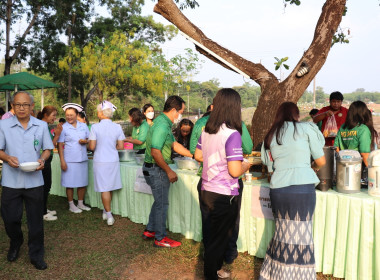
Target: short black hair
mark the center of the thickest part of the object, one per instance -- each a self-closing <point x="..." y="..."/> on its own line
<point x="146" y="106"/>
<point x="336" y="95"/>
<point x="313" y="112"/>
<point x="136" y="115"/>
<point x="173" y="101"/>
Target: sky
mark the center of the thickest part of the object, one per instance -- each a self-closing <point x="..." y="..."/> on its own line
<point x="261" y="30"/>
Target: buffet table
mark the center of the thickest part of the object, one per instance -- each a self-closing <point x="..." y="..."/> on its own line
<point x="345" y="226"/>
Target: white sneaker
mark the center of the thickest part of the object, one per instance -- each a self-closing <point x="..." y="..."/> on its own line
<point x="75" y="210"/>
<point x="104" y="216"/>
<point x="84" y="207"/>
<point x="110" y="221"/>
<point x="49" y="217"/>
<point x="222" y="274"/>
<point x="52" y="212"/>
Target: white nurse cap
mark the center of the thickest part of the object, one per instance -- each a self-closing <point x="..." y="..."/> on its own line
<point x="78" y="107"/>
<point x="108" y="105"/>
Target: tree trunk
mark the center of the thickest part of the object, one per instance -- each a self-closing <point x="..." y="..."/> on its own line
<point x="273" y="93"/>
<point x="84" y="99"/>
<point x="8" y="22"/>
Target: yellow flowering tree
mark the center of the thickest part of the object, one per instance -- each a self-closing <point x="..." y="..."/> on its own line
<point x="115" y="68"/>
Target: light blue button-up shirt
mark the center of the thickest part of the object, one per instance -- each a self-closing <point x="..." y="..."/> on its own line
<point x="290" y="162"/>
<point x="25" y="144"/>
<point x="70" y="136"/>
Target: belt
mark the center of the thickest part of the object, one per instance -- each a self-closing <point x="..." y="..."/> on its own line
<point x="149" y="165"/>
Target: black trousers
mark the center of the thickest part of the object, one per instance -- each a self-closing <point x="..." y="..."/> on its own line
<point x="46" y="174"/>
<point x="11" y="210"/>
<point x="231" y="250"/>
<point x="219" y="213"/>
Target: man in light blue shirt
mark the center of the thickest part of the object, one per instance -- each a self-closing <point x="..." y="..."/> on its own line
<point x="21" y="139"/>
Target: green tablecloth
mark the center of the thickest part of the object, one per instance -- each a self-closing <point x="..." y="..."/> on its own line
<point x="345" y="226"/>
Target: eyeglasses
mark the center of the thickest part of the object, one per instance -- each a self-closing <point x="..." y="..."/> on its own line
<point x="25" y="105"/>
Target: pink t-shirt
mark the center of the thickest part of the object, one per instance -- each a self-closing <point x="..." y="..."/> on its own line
<point x="7" y="115"/>
<point x="217" y="150"/>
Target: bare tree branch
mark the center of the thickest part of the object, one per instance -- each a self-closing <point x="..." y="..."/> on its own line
<point x="26" y="32"/>
<point x="315" y="56"/>
<point x="169" y="10"/>
<point x="273" y="93"/>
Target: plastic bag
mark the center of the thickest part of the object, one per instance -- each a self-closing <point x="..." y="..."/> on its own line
<point x="331" y="128"/>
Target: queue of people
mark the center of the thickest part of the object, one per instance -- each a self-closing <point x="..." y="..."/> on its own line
<point x="218" y="141"/>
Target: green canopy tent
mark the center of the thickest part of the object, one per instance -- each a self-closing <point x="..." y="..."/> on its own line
<point x="24" y="81"/>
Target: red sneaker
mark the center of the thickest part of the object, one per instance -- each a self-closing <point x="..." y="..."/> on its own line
<point x="148" y="234"/>
<point x="166" y="242"/>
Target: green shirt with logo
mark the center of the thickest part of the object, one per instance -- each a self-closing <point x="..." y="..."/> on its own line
<point x="357" y="139"/>
<point x="140" y="133"/>
<point x="199" y="126"/>
<point x="160" y="137"/>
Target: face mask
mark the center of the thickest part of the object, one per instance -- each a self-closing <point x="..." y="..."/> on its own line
<point x="150" y="115"/>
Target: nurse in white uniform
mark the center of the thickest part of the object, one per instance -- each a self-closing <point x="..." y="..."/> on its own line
<point x="105" y="139"/>
<point x="72" y="151"/>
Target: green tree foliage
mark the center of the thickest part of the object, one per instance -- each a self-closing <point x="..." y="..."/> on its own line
<point x="320" y="96"/>
<point x="74" y="20"/>
<point x="33" y="11"/>
<point x="126" y="17"/>
<point x="361" y="94"/>
<point x="115" y="68"/>
<point x="249" y="94"/>
<point x="178" y="70"/>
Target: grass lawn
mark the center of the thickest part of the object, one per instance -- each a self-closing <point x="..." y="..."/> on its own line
<point x="82" y="246"/>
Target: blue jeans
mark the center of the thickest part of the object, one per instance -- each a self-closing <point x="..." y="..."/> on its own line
<point x="159" y="182"/>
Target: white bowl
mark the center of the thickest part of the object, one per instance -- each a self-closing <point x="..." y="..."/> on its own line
<point x="29" y="166"/>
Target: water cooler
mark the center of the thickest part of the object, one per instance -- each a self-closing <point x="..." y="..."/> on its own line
<point x="374" y="173"/>
<point x="348" y="171"/>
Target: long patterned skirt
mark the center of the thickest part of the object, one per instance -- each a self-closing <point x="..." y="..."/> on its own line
<point x="290" y="254"/>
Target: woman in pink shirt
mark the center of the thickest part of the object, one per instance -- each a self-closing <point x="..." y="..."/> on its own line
<point x="219" y="147"/>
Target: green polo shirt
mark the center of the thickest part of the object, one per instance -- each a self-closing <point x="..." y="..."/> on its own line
<point x="160" y="137"/>
<point x="196" y="133"/>
<point x="52" y="137"/>
<point x="246" y="140"/>
<point x="357" y="139"/>
<point x="199" y="126"/>
<point x="140" y="133"/>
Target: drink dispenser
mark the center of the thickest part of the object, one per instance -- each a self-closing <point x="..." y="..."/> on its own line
<point x="374" y="173"/>
<point x="348" y="171"/>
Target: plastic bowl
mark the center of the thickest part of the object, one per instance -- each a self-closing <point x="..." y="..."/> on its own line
<point x="126" y="155"/>
<point x="29" y="166"/>
<point x="254" y="160"/>
<point x="186" y="163"/>
<point x="140" y="159"/>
